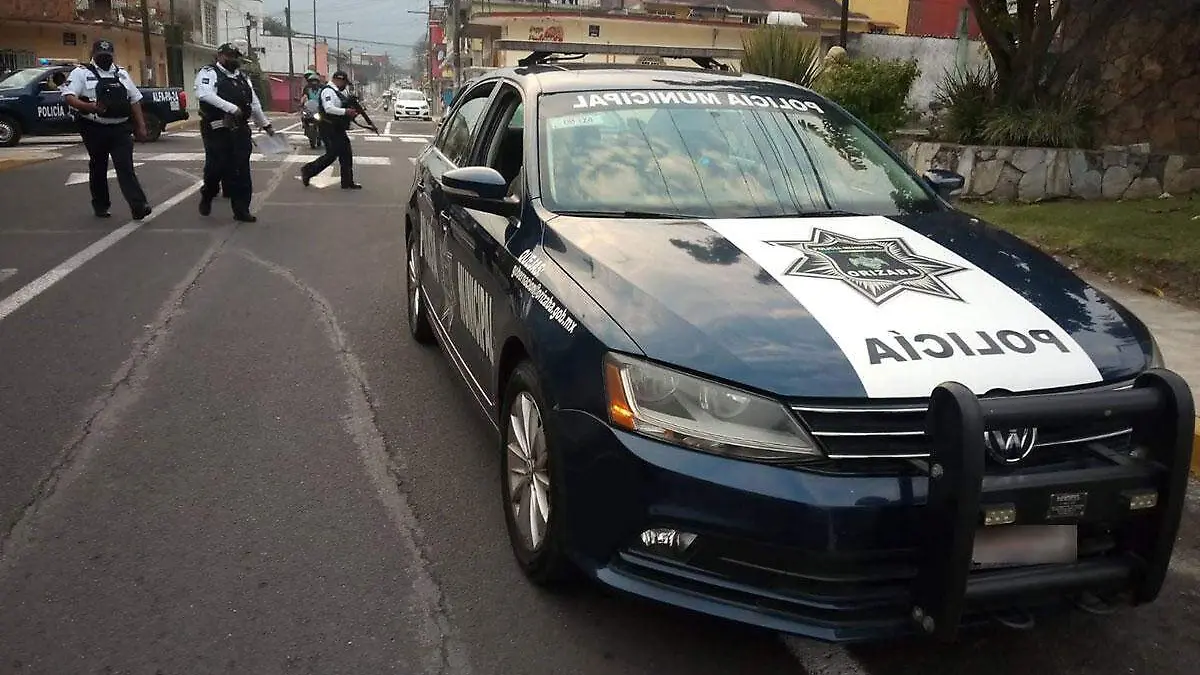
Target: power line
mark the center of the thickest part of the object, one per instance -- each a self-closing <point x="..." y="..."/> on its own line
<point x="350" y="39"/>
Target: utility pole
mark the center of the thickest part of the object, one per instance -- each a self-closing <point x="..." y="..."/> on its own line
<point x="287" y="12"/>
<point x="338" y="36"/>
<point x="249" y="25"/>
<point x="314" y="34"/>
<point x="149" y="73"/>
<point x="457" y="47"/>
<point x="845" y="23"/>
<point x="174" y="41"/>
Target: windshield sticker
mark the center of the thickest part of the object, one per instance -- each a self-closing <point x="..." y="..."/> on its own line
<point x="879" y="269"/>
<point x="899" y="348"/>
<point x="539" y="294"/>
<point x="619" y="99"/>
<point x="907" y="311"/>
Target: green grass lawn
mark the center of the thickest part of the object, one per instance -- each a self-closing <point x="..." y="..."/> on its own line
<point x="1156" y="241"/>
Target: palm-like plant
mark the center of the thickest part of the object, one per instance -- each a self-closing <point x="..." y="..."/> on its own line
<point x="783" y="53"/>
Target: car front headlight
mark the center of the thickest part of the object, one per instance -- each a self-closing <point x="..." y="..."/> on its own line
<point x="678" y="408"/>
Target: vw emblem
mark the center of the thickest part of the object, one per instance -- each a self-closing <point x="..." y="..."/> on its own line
<point x="1009" y="446"/>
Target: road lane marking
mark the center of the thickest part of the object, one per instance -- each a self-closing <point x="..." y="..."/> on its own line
<point x="323" y="179"/>
<point x="362" y="160"/>
<point x="387" y="129"/>
<point x="77" y="178"/>
<point x="7" y="273"/>
<point x="384" y="139"/>
<point x="39" y="285"/>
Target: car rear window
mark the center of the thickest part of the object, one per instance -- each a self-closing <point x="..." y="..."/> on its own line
<point x="715" y="154"/>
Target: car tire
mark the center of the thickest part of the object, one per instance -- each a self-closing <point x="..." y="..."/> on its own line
<point x="530" y="470"/>
<point x="10" y="132"/>
<point x="418" y="314"/>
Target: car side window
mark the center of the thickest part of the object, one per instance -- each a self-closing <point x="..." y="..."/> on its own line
<point x="504" y="148"/>
<point x="458" y="132"/>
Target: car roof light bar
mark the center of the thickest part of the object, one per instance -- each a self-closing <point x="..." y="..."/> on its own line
<point x="546" y="52"/>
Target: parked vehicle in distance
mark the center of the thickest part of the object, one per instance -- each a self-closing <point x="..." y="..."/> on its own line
<point x="411" y="104"/>
<point x="31" y="104"/>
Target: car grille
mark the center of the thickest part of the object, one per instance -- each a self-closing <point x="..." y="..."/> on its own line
<point x="895" y="430"/>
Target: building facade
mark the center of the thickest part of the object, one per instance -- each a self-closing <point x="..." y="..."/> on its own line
<point x="671" y="23"/>
<point x="33" y="30"/>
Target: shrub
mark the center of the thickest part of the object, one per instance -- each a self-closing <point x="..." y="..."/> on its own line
<point x="873" y="90"/>
<point x="971" y="115"/>
<point x="1063" y="122"/>
<point x="966" y="98"/>
<point x="782" y="53"/>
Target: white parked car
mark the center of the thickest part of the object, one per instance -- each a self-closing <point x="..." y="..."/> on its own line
<point x="410" y="104"/>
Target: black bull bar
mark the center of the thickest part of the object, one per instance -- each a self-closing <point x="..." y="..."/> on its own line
<point x="1161" y="413"/>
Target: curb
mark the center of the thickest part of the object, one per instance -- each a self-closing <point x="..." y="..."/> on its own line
<point x="185" y="125"/>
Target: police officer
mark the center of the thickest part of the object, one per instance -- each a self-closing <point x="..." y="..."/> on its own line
<point x="227" y="101"/>
<point x="335" y="132"/>
<point x="105" y="98"/>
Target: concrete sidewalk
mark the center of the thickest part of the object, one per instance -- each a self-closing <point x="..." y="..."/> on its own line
<point x="1177" y="329"/>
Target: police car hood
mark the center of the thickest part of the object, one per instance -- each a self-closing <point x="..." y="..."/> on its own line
<point x="858" y="306"/>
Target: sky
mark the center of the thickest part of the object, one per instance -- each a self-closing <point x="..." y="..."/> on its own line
<point x="377" y="20"/>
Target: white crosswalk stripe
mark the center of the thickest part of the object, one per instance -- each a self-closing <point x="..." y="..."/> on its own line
<point x="362" y="160"/>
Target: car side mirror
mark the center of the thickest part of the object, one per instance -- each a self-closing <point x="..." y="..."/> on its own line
<point x="944" y="182"/>
<point x="481" y="188"/>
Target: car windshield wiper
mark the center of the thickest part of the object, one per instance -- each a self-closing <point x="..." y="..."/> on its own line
<point x="831" y="213"/>
<point x="628" y="214"/>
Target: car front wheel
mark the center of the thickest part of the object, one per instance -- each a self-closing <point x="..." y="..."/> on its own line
<point x="418" y="319"/>
<point x="531" y="491"/>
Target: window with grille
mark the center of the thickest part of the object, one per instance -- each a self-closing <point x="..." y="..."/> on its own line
<point x="210" y="23"/>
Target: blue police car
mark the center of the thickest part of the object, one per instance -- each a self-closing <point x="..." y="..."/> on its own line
<point x="741" y="359"/>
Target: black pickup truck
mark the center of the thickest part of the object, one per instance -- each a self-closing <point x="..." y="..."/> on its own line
<point x="32" y="105"/>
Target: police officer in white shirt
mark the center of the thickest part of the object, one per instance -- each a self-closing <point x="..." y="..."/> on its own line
<point x="335" y="132"/>
<point x="105" y="99"/>
<point x="227" y="102"/>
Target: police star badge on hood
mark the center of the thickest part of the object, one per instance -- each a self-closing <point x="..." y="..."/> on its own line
<point x="879" y="269"/>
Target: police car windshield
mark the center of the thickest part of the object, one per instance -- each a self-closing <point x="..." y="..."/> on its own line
<point x="715" y="154"/>
<point x="22" y="78"/>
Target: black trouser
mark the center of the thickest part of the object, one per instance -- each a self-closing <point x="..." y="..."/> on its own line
<point x="227" y="164"/>
<point x="337" y="148"/>
<point x="116" y="140"/>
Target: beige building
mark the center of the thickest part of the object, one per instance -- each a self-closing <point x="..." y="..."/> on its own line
<point x="661" y="23"/>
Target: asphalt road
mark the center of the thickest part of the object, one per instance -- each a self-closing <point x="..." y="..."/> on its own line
<point x="220" y="452"/>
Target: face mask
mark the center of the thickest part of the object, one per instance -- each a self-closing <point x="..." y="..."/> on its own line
<point x="230" y="65"/>
<point x="103" y="61"/>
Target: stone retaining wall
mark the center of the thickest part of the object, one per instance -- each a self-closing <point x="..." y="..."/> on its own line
<point x="1033" y="174"/>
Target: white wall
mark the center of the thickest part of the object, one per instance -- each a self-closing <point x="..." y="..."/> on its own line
<point x="275" y="60"/>
<point x="935" y="57"/>
<point x="231" y="19"/>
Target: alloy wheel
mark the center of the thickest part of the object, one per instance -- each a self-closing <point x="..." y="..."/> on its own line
<point x="414" y="287"/>
<point x="528" y="472"/>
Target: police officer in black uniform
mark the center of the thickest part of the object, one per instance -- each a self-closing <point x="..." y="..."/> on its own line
<point x="227" y="102"/>
<point x="105" y="98"/>
<point x="335" y="132"/>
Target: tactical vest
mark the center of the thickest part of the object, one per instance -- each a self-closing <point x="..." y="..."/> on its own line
<point x="338" y="121"/>
<point x="112" y="94"/>
<point x="236" y="90"/>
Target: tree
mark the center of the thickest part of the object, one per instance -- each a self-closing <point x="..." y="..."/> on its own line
<point x="1039" y="45"/>
<point x="274" y="26"/>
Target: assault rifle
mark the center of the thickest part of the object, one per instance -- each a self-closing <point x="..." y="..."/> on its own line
<point x="353" y="103"/>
